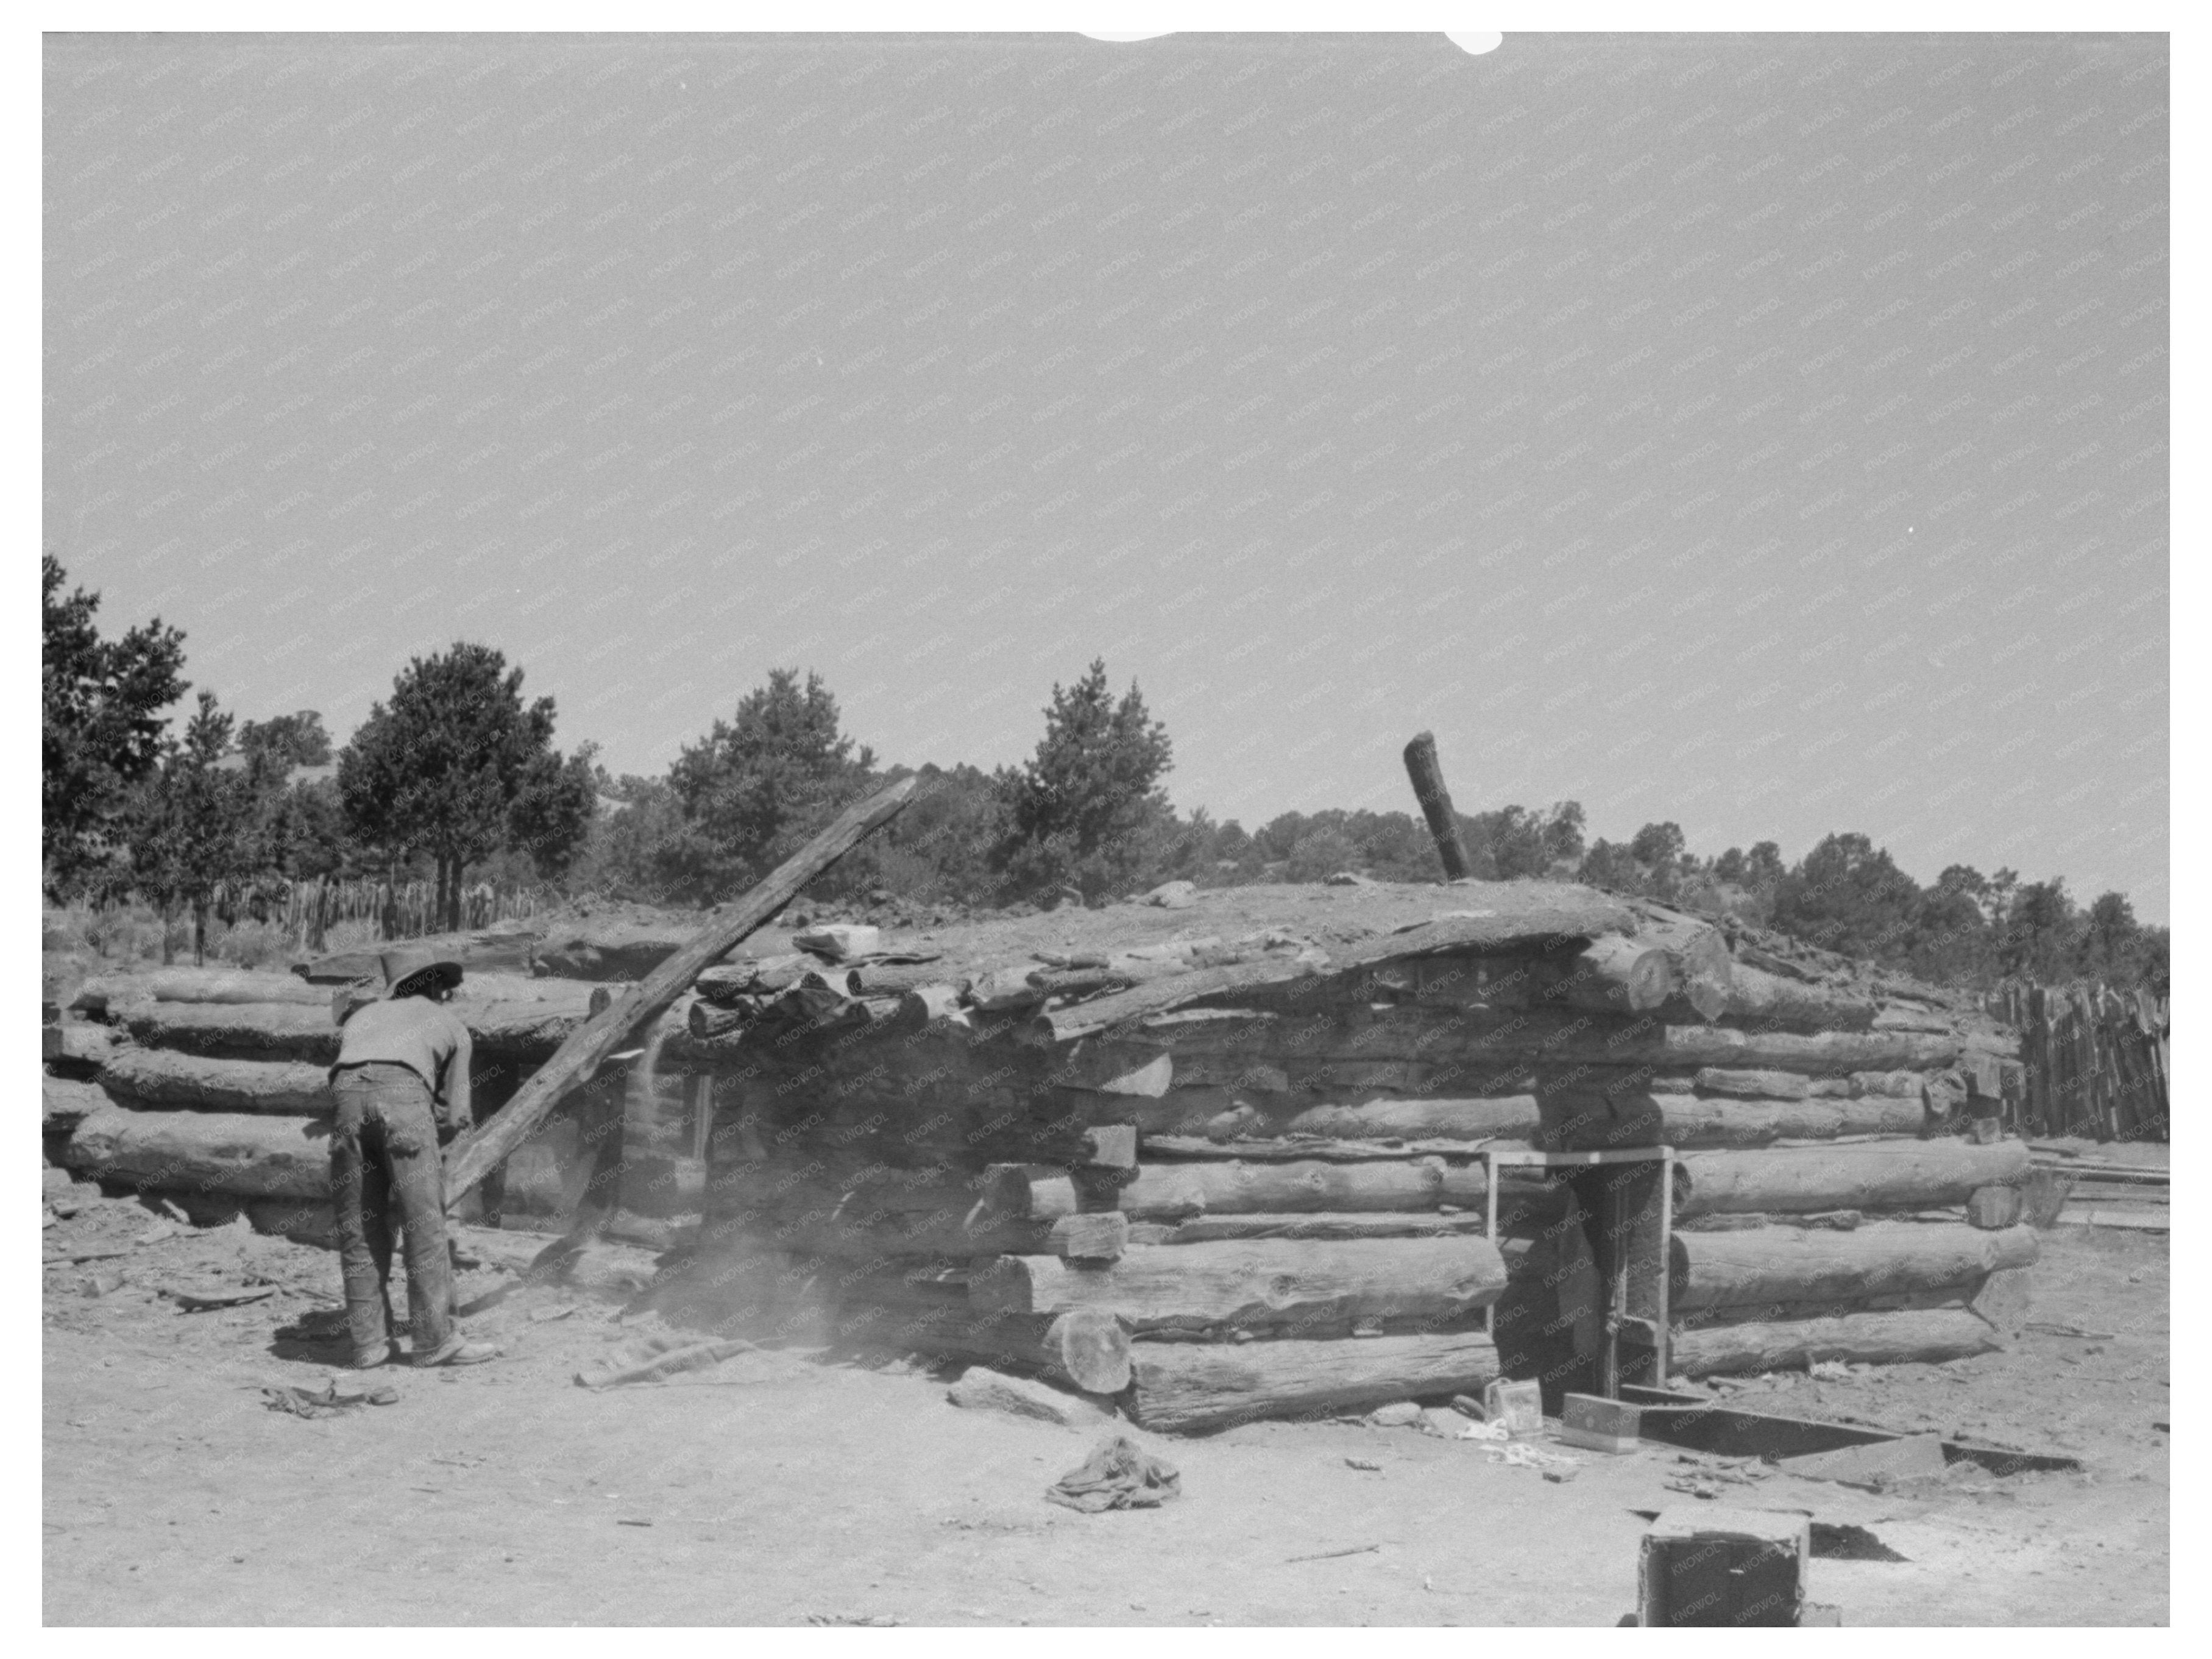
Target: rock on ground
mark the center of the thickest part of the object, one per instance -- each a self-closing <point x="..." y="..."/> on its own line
<point x="980" y="1388"/>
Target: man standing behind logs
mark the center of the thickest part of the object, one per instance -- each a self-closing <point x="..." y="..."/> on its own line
<point x="402" y="1087"/>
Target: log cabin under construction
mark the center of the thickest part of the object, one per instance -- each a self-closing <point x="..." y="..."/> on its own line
<point x="1252" y="1153"/>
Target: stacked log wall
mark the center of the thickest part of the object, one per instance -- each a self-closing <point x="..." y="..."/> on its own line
<point x="893" y="1164"/>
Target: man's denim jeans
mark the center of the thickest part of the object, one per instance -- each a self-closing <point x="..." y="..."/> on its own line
<point x="385" y="1175"/>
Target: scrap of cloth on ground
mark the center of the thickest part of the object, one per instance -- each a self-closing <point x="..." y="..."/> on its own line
<point x="1118" y="1475"/>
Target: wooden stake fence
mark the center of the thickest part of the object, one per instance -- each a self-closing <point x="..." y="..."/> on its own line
<point x="2096" y="1059"/>
<point x="308" y="909"/>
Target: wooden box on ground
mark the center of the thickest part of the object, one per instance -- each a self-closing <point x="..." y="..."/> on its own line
<point x="1710" y="1565"/>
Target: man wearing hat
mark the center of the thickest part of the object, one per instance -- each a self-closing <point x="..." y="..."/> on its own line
<point x="402" y="1087"/>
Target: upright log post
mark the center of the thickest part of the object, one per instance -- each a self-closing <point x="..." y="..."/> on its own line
<point x="580" y="1056"/>
<point x="1436" y="805"/>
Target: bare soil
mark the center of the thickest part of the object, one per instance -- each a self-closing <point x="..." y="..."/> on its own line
<point x="780" y="1489"/>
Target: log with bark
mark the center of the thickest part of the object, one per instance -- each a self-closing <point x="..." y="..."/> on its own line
<point x="1179" y="1191"/>
<point x="527" y="1031"/>
<point x="254" y="1031"/>
<point x="77" y="1049"/>
<point x="1087" y="1348"/>
<point x="64" y="1103"/>
<point x="1748" y="1084"/>
<point x="1612" y="975"/>
<point x="1428" y="779"/>
<point x="1687" y="1122"/>
<point x="1930" y="1335"/>
<point x="1785" y="1265"/>
<point x="1579" y="1120"/>
<point x="1875" y="1175"/>
<point x="162" y="1079"/>
<point x="246" y="1155"/>
<point x="1493" y="919"/>
<point x="1256" y="1285"/>
<point x="1510" y="1117"/>
<point x="1184" y="1387"/>
<point x="1334" y="1229"/>
<point x="106" y="991"/>
<point x="1592" y="1040"/>
<point x="1702" y="971"/>
<point x="1759" y="998"/>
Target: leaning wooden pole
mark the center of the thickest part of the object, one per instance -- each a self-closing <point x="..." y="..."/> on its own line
<point x="1436" y="805"/>
<point x="579" y="1057"/>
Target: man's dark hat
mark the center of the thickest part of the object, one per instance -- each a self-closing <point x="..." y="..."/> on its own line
<point x="411" y="968"/>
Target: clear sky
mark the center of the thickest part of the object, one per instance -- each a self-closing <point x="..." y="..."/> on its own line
<point x="1767" y="433"/>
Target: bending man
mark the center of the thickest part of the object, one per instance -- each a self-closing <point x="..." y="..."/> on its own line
<point x="402" y="1087"/>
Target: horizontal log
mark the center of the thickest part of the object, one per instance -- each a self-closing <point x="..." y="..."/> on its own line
<point x="1176" y="1191"/>
<point x="1511" y="1117"/>
<point x="1172" y="1148"/>
<point x="1906" y="1084"/>
<point x="258" y="1030"/>
<point x="890" y="1237"/>
<point x="1498" y="919"/>
<point x="1596" y="1040"/>
<point x="1254" y="1285"/>
<point x="244" y="987"/>
<point x="1185" y="1387"/>
<point x="522" y="1030"/>
<point x="64" y="1103"/>
<point x="1892" y="1176"/>
<point x="1612" y="975"/>
<point x="724" y="984"/>
<point x="1759" y="998"/>
<point x="77" y="1049"/>
<point x="106" y="991"/>
<point x="1786" y="1312"/>
<point x="1088" y="1349"/>
<point x="1687" y="1122"/>
<point x="1579" y="1122"/>
<point x="165" y="1078"/>
<point x="1215" y="1229"/>
<point x="1748" y="1084"/>
<point x="1080" y="1019"/>
<point x="1778" y="1265"/>
<point x="245" y="1155"/>
<point x="1703" y="972"/>
<point x="1930" y="1335"/>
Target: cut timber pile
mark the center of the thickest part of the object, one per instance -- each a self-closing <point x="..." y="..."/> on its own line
<point x="237" y="1154"/>
<point x="1227" y="1157"/>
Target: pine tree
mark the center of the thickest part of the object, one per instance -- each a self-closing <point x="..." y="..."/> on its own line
<point x="102" y="724"/>
<point x="456" y="767"/>
<point x="758" y="786"/>
<point x="1086" y="811"/>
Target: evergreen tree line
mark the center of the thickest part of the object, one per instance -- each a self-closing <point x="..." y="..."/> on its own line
<point x="457" y="777"/>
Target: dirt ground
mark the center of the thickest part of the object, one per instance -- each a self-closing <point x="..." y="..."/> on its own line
<point x="779" y="1490"/>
